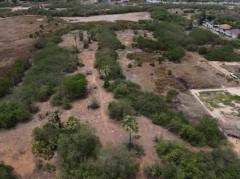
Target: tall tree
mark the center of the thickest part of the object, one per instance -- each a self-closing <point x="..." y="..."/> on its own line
<point x="130" y="124"/>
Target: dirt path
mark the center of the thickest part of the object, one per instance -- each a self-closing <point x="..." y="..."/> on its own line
<point x="135" y="16"/>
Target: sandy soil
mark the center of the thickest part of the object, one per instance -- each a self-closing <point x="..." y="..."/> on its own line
<point x="14" y="39"/>
<point x="16" y="144"/>
<point x="136" y="16"/>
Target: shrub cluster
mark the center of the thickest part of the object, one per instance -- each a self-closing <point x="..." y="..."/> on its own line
<point x="13" y="112"/>
<point x="78" y="148"/>
<point x="14" y="76"/>
<point x="223" y="53"/>
<point x="179" y="162"/>
<point x="106" y="57"/>
<point x="154" y="107"/>
<point x="46" y="74"/>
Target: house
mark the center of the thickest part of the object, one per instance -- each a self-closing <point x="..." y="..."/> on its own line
<point x="153" y="1"/>
<point x="234" y="33"/>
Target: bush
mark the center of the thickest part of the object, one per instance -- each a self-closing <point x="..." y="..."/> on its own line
<point x="175" y="54"/>
<point x="12" y="113"/>
<point x="119" y="109"/>
<point x="210" y="130"/>
<point x="66" y="103"/>
<point x="147" y="44"/>
<point x="14" y="76"/>
<point x="74" y="86"/>
<point x="203" y="37"/>
<point x="181" y="162"/>
<point x="203" y="50"/>
<point x="223" y="53"/>
<point x="76" y="148"/>
<point x="45" y="141"/>
<point x="6" y="172"/>
<point x="117" y="162"/>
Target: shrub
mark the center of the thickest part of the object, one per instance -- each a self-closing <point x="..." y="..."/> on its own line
<point x="14" y="76"/>
<point x="223" y="53"/>
<point x="202" y="50"/>
<point x="117" y="162"/>
<point x="119" y="109"/>
<point x="6" y="171"/>
<point x="179" y="161"/>
<point x="66" y="103"/>
<point x="75" y="86"/>
<point x="76" y="148"/>
<point x="45" y="141"/>
<point x="175" y="54"/>
<point x="13" y="112"/>
<point x="147" y="44"/>
<point x="94" y="104"/>
<point x="209" y="129"/>
<point x="203" y="37"/>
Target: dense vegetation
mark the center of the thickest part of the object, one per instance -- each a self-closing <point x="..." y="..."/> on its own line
<point x="80" y="152"/>
<point x="6" y="172"/>
<point x="106" y="57"/>
<point x="154" y="107"/>
<point x="13" y="77"/>
<point x="47" y="72"/>
<point x="179" y="162"/>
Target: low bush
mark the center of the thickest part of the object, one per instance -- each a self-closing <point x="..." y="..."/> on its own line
<point x="223" y="53"/>
<point x="119" y="109"/>
<point x="177" y="160"/>
<point x="45" y="141"/>
<point x="13" y="76"/>
<point x="74" y="86"/>
<point x="203" y="37"/>
<point x="13" y="112"/>
<point x="6" y="172"/>
<point x="175" y="54"/>
<point x="147" y="44"/>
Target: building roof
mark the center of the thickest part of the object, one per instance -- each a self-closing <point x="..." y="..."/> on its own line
<point x="235" y="31"/>
<point x="225" y="26"/>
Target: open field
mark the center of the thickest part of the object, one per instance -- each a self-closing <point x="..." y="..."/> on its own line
<point x="110" y="18"/>
<point x="15" y="42"/>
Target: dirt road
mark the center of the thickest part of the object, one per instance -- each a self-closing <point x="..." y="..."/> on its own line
<point x="135" y="16"/>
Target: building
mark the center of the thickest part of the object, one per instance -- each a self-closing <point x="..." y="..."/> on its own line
<point x="224" y="29"/>
<point x="234" y="33"/>
<point x="153" y="1"/>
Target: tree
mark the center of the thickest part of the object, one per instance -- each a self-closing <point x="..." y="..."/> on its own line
<point x="117" y="162"/>
<point x="76" y="148"/>
<point x="131" y="126"/>
<point x="75" y="86"/>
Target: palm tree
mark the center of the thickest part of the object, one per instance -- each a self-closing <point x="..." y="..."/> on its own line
<point x="130" y="124"/>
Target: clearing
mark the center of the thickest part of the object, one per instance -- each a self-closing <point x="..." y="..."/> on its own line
<point x="15" y="42"/>
<point x="135" y="16"/>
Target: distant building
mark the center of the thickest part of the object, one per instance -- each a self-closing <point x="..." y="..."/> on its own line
<point x="225" y="29"/>
<point x="234" y="33"/>
<point x="153" y="1"/>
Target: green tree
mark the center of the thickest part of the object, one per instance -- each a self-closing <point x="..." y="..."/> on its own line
<point x="130" y="124"/>
<point x="75" y="86"/>
<point x="117" y="162"/>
